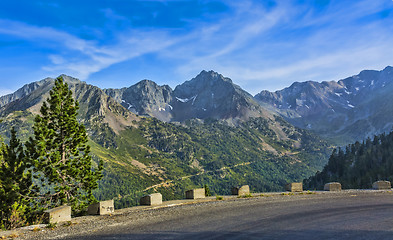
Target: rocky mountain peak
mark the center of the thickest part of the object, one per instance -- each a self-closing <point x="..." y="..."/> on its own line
<point x="211" y="76"/>
<point x="145" y="98"/>
<point x="147" y="84"/>
<point x="70" y="80"/>
<point x="206" y="83"/>
<point x="211" y="95"/>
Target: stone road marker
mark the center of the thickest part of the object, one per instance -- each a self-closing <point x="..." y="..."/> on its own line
<point x="59" y="214"/>
<point x="294" y="187"/>
<point x="243" y="190"/>
<point x="152" y="199"/>
<point x="195" y="193"/>
<point x="382" y="185"/>
<point x="101" y="208"/>
<point x="332" y="186"/>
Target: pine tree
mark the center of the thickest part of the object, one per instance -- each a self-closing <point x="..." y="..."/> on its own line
<point x="60" y="154"/>
<point x="15" y="184"/>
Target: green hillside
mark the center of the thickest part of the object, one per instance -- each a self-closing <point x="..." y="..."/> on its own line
<point x="174" y="158"/>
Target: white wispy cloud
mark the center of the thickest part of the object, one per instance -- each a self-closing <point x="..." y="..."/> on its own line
<point x="35" y="33"/>
<point x="80" y="57"/>
<point x="128" y="46"/>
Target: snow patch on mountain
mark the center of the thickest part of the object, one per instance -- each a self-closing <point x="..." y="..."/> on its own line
<point x="185" y="100"/>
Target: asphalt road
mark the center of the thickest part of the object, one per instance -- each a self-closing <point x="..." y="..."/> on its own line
<point x="354" y="215"/>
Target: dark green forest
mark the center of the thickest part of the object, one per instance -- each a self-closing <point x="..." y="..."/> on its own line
<point x="358" y="165"/>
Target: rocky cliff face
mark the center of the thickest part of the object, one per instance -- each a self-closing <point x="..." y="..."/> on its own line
<point x="349" y="109"/>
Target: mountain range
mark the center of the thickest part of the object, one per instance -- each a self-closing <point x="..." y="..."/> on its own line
<point x="344" y="111"/>
<point x="210" y="131"/>
<point x="341" y="111"/>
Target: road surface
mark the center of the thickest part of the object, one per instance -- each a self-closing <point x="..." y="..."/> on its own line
<point x="346" y="215"/>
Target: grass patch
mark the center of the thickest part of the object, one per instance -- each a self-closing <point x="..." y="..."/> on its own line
<point x="245" y="196"/>
<point x="287" y="193"/>
<point x="51" y="225"/>
<point x="69" y="223"/>
<point x="219" y="198"/>
<point x="309" y="192"/>
<point x="264" y="195"/>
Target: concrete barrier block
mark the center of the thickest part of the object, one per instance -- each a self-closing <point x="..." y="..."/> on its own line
<point x="243" y="190"/>
<point x="294" y="187"/>
<point x="195" y="193"/>
<point x="382" y="185"/>
<point x="59" y="214"/>
<point x="101" y="208"/>
<point x="152" y="199"/>
<point x="333" y="186"/>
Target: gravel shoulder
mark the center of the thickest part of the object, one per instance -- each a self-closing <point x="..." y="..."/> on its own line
<point x="343" y="214"/>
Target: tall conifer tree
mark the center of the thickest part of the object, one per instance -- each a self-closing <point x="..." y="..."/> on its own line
<point x="60" y="153"/>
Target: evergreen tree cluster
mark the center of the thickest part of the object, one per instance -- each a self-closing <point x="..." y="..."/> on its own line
<point x="359" y="165"/>
<point x="53" y="168"/>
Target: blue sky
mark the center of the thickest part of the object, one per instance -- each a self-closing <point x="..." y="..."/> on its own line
<point x="258" y="44"/>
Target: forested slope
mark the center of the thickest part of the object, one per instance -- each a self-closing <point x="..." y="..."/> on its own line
<point x="358" y="165"/>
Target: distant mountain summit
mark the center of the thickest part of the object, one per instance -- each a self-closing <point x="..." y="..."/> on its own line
<point x="350" y="109"/>
<point x="211" y="95"/>
<point x="208" y="95"/>
<point x="145" y="98"/>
